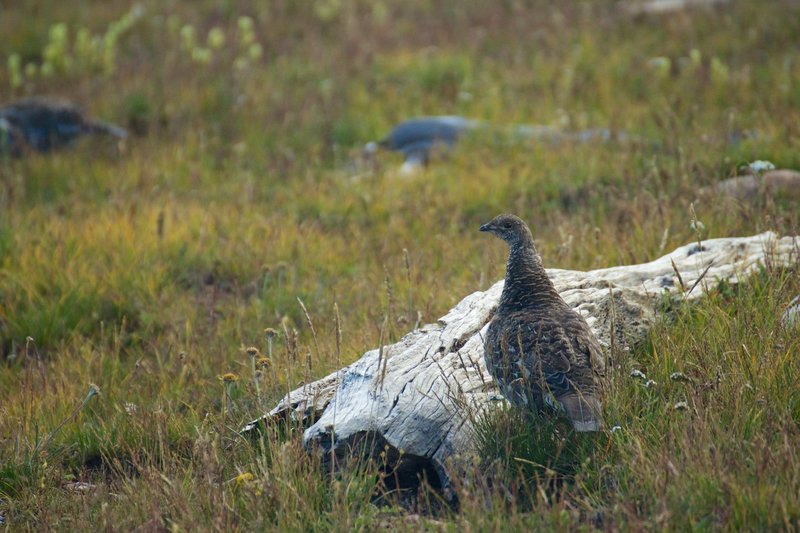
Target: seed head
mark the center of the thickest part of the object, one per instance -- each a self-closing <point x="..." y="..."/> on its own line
<point x="696" y="225"/>
<point x="254" y="51"/>
<point x="201" y="55"/>
<point x="245" y="23"/>
<point x="230" y="377"/>
<point x="252" y="351"/>
<point x="216" y="38"/>
<point x="188" y="35"/>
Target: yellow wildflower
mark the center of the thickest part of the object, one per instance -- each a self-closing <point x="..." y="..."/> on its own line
<point x="244" y="477"/>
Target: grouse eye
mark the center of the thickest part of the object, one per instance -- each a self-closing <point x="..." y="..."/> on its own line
<point x="507" y="225"/>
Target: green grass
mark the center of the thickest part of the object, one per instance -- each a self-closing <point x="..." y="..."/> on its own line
<point x="148" y="269"/>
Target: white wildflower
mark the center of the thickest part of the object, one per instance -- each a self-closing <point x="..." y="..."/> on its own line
<point x="761" y="166"/>
<point x="636" y="373"/>
<point x="80" y="486"/>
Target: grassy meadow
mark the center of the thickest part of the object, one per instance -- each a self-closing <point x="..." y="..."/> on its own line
<point x="144" y="271"/>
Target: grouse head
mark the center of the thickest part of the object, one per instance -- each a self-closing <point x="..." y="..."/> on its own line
<point x="511" y="229"/>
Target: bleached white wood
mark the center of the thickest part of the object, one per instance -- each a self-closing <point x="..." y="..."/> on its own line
<point x="416" y="399"/>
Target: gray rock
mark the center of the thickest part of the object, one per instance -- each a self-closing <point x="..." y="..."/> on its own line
<point x="42" y="125"/>
<point x="418" y="138"/>
<point x="665" y="7"/>
<point x="749" y="188"/>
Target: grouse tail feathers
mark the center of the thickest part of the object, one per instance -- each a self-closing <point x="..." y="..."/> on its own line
<point x="584" y="410"/>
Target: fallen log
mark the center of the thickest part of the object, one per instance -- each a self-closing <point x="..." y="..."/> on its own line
<point x="414" y="401"/>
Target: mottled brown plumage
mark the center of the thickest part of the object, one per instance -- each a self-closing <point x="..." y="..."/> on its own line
<point x="540" y="351"/>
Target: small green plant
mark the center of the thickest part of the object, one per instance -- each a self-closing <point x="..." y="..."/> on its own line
<point x="86" y="54"/>
<point x="228" y="380"/>
<point x="534" y="446"/>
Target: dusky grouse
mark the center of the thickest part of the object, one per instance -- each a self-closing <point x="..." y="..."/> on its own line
<point x="42" y="125"/>
<point x="540" y="351"/>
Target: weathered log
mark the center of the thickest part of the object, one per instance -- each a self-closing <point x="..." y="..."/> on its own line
<point x="415" y="400"/>
<point x="791" y="316"/>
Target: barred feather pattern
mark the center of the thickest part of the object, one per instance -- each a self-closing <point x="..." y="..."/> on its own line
<point x="541" y="353"/>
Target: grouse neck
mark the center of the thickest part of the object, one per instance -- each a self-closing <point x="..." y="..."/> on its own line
<point x="527" y="283"/>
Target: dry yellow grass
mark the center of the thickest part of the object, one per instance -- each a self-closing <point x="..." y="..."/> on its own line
<point x="147" y="270"/>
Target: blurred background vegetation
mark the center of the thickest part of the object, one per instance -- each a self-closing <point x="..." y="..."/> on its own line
<point x="148" y="268"/>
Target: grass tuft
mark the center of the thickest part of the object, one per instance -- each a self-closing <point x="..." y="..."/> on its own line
<point x="147" y="268"/>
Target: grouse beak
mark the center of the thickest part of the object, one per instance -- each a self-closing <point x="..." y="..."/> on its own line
<point x="486" y="227"/>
